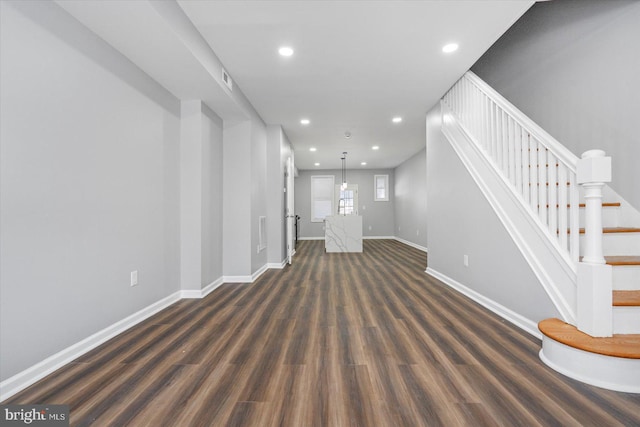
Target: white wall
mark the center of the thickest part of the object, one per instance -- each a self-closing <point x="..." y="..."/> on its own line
<point x="572" y="66"/>
<point x="411" y="199"/>
<point x="377" y="217"/>
<point x="461" y="222"/>
<point x="89" y="185"/>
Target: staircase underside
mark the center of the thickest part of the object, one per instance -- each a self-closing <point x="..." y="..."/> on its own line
<point x="612" y="363"/>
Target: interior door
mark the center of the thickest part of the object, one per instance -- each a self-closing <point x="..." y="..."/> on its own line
<point x="289" y="210"/>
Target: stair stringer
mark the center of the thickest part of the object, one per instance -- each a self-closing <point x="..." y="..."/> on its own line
<point x="555" y="272"/>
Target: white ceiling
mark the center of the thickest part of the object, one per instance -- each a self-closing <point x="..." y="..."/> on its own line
<point x="356" y="64"/>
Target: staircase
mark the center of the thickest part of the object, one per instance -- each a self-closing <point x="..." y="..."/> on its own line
<point x="586" y="255"/>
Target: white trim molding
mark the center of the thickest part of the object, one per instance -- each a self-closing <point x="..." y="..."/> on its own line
<point x="518" y="320"/>
<point x="258" y="273"/>
<point x="190" y="294"/>
<point x="278" y="265"/>
<point x="413" y="245"/>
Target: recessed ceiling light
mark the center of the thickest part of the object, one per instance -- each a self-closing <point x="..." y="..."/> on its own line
<point x="375" y="147"/>
<point x="285" y="51"/>
<point x="347" y="134"/>
<point x="396" y="119"/>
<point x="304" y="122"/>
<point x="451" y="47"/>
<point x="316" y="164"/>
<point x="312" y="149"/>
<point x="363" y="163"/>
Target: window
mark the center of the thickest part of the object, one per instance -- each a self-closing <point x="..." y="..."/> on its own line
<point x="321" y="197"/>
<point x="381" y="188"/>
<point x="347" y="199"/>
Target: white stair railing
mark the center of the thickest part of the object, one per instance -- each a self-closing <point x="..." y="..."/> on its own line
<point x="538" y="168"/>
<point x="543" y="175"/>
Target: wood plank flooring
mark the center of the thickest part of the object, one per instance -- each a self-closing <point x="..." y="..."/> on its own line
<point x="334" y="340"/>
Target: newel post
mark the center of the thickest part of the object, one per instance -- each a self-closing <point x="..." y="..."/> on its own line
<point x="595" y="277"/>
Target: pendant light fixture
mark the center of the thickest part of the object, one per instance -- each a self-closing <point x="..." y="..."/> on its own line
<point x="344" y="171"/>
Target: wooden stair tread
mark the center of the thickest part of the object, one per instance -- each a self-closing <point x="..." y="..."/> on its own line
<point x="583" y="205"/>
<point x="622" y="260"/>
<point x="620" y="345"/>
<point x="604" y="205"/>
<point x="626" y="298"/>
<point x="616" y="230"/>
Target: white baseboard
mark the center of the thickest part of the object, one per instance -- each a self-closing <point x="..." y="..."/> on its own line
<point x="310" y="238"/>
<point x="258" y="273"/>
<point x="203" y="292"/>
<point x="502" y="311"/>
<point x="29" y="376"/>
<point x="237" y="279"/>
<point x="413" y="245"/>
<point x="276" y="265"/>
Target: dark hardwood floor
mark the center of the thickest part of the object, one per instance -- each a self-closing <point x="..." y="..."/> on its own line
<point x="334" y="340"/>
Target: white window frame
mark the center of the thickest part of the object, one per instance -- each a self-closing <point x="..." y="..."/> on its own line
<point x="386" y="188"/>
<point x="328" y="198"/>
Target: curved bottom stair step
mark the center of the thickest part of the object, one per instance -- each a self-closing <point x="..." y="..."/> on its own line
<point x="620" y="345"/>
<point x="612" y="363"/>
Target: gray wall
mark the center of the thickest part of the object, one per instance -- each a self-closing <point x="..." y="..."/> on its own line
<point x="461" y="222"/>
<point x="377" y="217"/>
<point x="212" y="191"/>
<point x="236" y="205"/>
<point x="89" y="185"/>
<point x="258" y="171"/>
<point x="411" y="199"/>
<point x="573" y="67"/>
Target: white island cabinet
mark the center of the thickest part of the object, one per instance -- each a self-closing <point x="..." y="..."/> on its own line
<point x="343" y="233"/>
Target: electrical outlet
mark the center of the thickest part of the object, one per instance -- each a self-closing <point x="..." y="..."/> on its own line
<point x="134" y="278"/>
<point x="466" y="260"/>
<point x="369" y="228"/>
<point x="399" y="228"/>
<point x="417" y="232"/>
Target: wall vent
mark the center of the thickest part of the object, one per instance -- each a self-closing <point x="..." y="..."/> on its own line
<point x="227" y="79"/>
